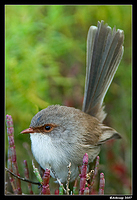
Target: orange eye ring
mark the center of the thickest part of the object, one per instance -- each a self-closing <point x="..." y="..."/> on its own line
<point x="49" y="127"/>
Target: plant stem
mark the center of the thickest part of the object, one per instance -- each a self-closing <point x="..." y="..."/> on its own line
<point x="22" y="179"/>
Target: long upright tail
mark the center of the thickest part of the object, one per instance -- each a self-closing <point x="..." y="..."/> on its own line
<point x="104" y="53"/>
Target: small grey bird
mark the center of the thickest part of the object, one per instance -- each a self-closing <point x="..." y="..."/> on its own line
<point x="60" y="134"/>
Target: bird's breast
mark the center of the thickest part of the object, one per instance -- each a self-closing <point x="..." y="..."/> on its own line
<point x="49" y="156"/>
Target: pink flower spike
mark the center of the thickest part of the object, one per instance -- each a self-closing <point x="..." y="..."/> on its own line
<point x="83" y="173"/>
<point x="12" y="162"/>
<point x="102" y="184"/>
<point x="9" y="121"/>
<point x="45" y="185"/>
<point x="85" y="159"/>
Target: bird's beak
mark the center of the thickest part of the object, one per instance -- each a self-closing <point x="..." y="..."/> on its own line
<point x="28" y="130"/>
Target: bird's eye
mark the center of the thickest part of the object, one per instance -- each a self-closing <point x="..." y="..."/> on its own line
<point x="47" y="127"/>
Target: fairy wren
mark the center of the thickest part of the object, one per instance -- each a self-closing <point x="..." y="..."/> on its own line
<point x="60" y="134"/>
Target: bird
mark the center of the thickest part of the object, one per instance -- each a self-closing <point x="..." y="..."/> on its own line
<point x="60" y="134"/>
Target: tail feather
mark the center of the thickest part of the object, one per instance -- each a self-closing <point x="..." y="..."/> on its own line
<point x="104" y="53"/>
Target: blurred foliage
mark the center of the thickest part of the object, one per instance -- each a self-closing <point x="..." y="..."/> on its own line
<point x="45" y="55"/>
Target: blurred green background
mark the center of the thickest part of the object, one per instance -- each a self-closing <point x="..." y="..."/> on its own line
<point x="45" y="56"/>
